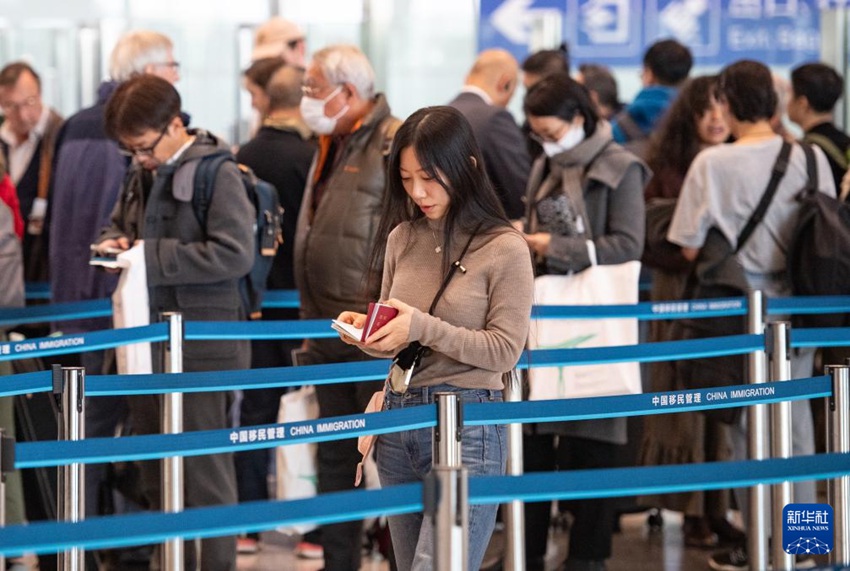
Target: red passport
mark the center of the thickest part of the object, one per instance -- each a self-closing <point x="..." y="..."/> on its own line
<point x="378" y="315"/>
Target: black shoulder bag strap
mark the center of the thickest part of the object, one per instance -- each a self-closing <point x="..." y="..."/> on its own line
<point x="779" y="169"/>
<point x="812" y="170"/>
<point x="411" y="355"/>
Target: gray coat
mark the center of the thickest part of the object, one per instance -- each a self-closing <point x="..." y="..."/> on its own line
<point x="612" y="187"/>
<point x="192" y="269"/>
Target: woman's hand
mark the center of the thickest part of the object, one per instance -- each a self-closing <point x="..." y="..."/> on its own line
<point x="539" y="242"/>
<point x="357" y="320"/>
<point x="395" y="334"/>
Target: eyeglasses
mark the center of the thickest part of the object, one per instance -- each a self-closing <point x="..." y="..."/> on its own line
<point x="313" y="91"/>
<point x="540" y="140"/>
<point x="172" y="64"/>
<point x="11" y="107"/>
<point x="145" y="152"/>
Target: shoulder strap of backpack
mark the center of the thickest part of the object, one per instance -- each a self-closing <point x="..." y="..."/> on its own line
<point x="830" y="148"/>
<point x="812" y="182"/>
<point x="629" y="126"/>
<point x="779" y="169"/>
<point x="205" y="176"/>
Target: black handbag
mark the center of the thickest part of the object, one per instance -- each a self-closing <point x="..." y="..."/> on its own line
<point x="718" y="273"/>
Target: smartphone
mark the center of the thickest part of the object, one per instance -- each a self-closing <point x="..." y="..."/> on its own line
<point x="108" y="262"/>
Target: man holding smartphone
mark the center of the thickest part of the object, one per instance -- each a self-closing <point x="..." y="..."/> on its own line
<point x="191" y="268"/>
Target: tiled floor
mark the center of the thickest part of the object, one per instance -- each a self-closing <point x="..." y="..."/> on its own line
<point x="635" y="549"/>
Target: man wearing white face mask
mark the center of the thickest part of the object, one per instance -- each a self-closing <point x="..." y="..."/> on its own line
<point x="333" y="242"/>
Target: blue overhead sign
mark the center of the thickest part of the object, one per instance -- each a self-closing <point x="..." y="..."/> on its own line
<point x="616" y="32"/>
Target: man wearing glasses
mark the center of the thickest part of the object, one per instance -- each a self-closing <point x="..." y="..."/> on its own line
<point x="191" y="268"/>
<point x="87" y="179"/>
<point x="333" y="239"/>
<point x="27" y="139"/>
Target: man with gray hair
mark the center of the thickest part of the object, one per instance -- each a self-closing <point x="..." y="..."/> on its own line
<point x="87" y="178"/>
<point x="333" y="243"/>
<point x="144" y="51"/>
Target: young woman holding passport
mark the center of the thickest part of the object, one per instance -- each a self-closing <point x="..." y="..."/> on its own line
<point x="461" y="328"/>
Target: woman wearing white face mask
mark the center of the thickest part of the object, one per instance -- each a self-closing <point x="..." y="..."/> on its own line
<point x="585" y="193"/>
<point x="580" y="153"/>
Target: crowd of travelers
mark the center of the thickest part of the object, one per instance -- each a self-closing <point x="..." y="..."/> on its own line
<point x="379" y="208"/>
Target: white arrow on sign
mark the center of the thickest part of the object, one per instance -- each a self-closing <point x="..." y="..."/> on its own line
<point x="514" y="17"/>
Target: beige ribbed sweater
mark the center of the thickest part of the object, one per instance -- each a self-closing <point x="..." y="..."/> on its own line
<point x="481" y="322"/>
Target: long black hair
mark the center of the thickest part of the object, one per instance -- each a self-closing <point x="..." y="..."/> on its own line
<point x="445" y="147"/>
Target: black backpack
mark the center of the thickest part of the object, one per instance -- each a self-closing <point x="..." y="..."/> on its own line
<point x="268" y="234"/>
<point x="818" y="259"/>
<point x="717" y="273"/>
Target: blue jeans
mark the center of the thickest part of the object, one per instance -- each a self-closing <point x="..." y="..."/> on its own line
<point x="404" y="457"/>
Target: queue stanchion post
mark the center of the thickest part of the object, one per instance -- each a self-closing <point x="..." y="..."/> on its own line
<point x="7" y="465"/>
<point x="838" y="440"/>
<point x="778" y="343"/>
<point x="172" y="423"/>
<point x="758" y="444"/>
<point x="514" y="511"/>
<point x="69" y="383"/>
<point x="447" y="495"/>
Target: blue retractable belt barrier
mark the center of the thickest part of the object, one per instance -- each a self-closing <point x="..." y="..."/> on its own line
<point x="55" y="312"/>
<point x="821" y="337"/>
<point x="654" y="310"/>
<point x="283" y="298"/>
<point x="356" y="371"/>
<point x="374" y="370"/>
<point x="37" y="454"/>
<point x="645" y="404"/>
<point x="321" y="328"/>
<point x="645" y="352"/>
<point x="47" y="346"/>
<point x="647" y="310"/>
<point x="26" y="383"/>
<point x="135" y="529"/>
<point x="802" y="305"/>
<point x="95" y="450"/>
<point x="307" y="328"/>
<point x="646" y="480"/>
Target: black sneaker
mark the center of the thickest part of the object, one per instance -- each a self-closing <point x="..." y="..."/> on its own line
<point x="730" y="560"/>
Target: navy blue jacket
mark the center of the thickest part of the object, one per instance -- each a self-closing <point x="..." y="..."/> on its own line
<point x="86" y="179"/>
